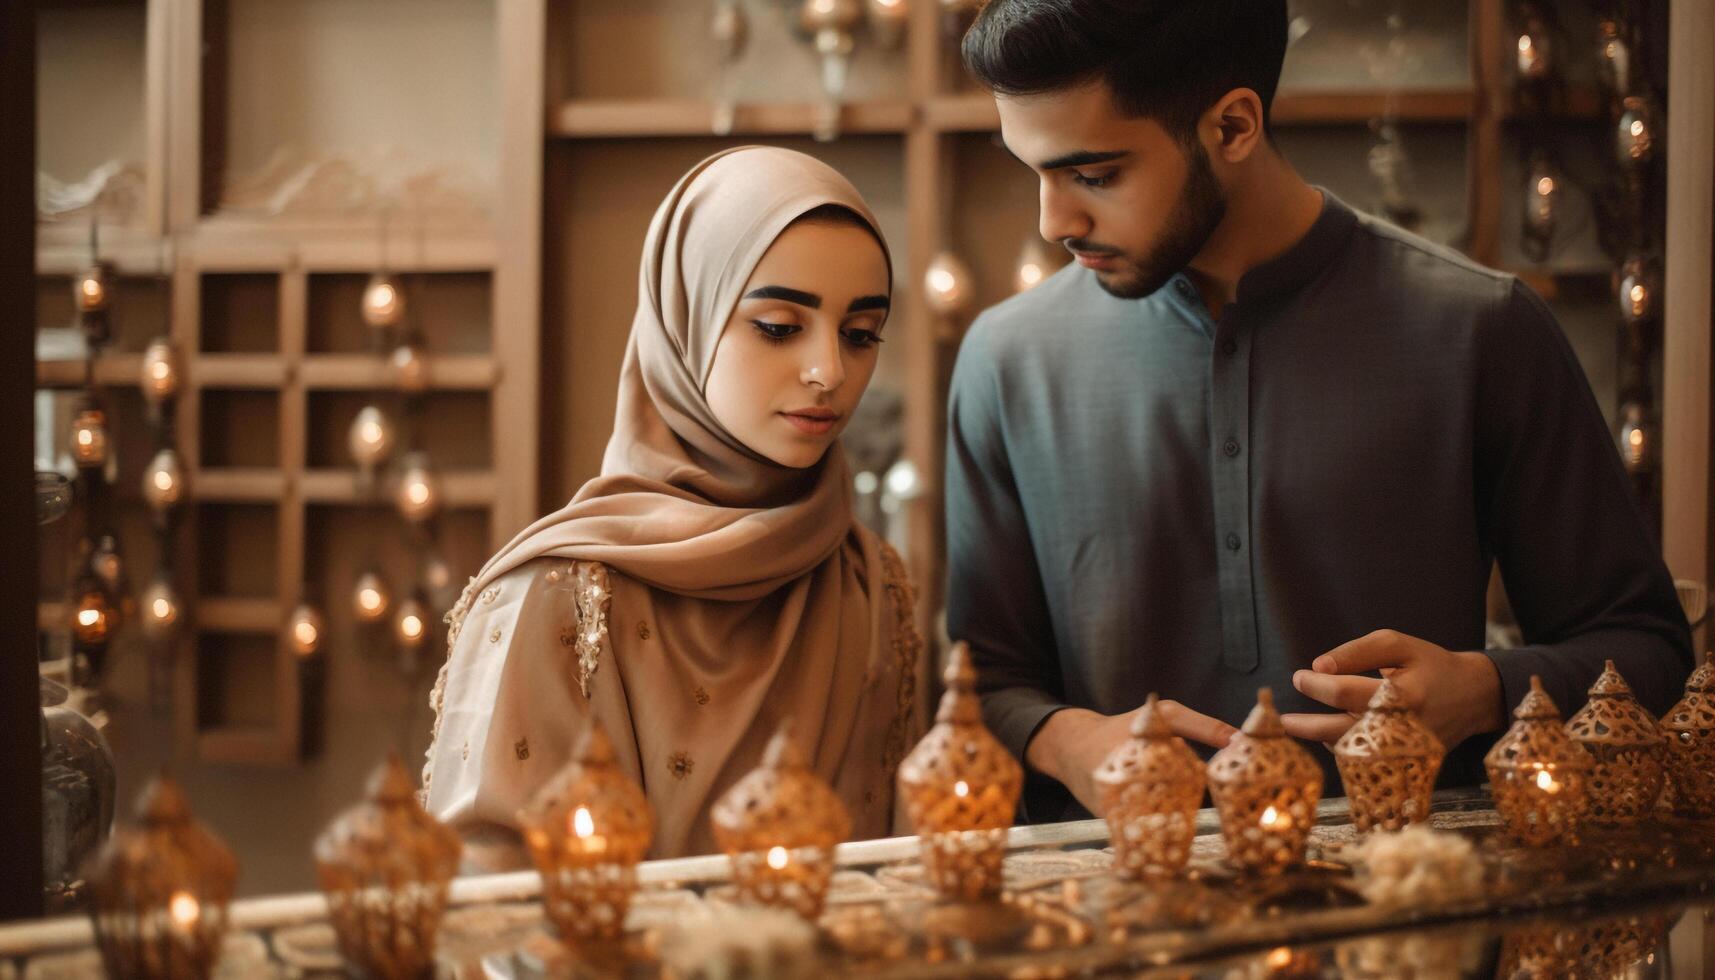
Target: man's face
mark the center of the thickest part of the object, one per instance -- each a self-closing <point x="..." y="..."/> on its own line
<point x="1127" y="199"/>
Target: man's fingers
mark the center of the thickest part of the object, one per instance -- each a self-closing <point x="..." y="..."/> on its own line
<point x="1195" y="725"/>
<point x="1372" y="651"/>
<point x="1317" y="728"/>
<point x="1340" y="691"/>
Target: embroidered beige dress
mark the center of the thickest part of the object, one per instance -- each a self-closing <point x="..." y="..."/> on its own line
<point x="555" y="640"/>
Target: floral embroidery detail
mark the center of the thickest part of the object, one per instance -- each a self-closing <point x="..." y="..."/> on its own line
<point x="907" y="644"/>
<point x="494" y="637"/>
<point x="490" y="594"/>
<point x="521" y="748"/>
<point x="592" y="598"/>
<point x="680" y="765"/>
<point x="701" y="695"/>
<point x="642" y="630"/>
<point x="554" y="575"/>
<point x="438" y="694"/>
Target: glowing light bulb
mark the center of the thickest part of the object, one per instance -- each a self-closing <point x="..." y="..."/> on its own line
<point x="777" y="858"/>
<point x="90" y="289"/>
<point x="88" y="617"/>
<point x="160" y="371"/>
<point x="419" y="495"/>
<point x="949" y="285"/>
<point x="941" y="281"/>
<point x="160" y="609"/>
<point x="411" y="627"/>
<point x="371" y="438"/>
<point x="1545" y="186"/>
<point x="961" y="789"/>
<point x="383" y="302"/>
<point x="305" y="630"/>
<point x="163" y="480"/>
<point x="369" y="598"/>
<point x="89" y="437"/>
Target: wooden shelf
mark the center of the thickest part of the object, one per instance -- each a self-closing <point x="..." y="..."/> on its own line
<point x="356" y="372"/>
<point x="245" y="745"/>
<point x="232" y="243"/>
<point x="113" y="370"/>
<point x="239" y="371"/>
<point x="592" y="118"/>
<point x="459" y="488"/>
<point x="237" y="485"/>
<point x="218" y="615"/>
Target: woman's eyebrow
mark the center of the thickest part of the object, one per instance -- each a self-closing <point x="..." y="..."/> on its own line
<point x="863" y="303"/>
<point x="798" y="296"/>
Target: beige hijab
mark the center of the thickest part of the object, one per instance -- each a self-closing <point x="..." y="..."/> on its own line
<point x="762" y="581"/>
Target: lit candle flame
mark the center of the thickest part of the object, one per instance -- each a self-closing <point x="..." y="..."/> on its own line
<point x="1546" y="782"/>
<point x="1270" y="817"/>
<point x="88" y="617"/>
<point x="1280" y="958"/>
<point x="582" y="824"/>
<point x="777" y="858"/>
<point x="961" y="788"/>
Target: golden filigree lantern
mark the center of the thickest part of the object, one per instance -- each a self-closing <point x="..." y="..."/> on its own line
<point x="1539" y="776"/>
<point x="1690" y="727"/>
<point x="960" y="788"/>
<point x="587" y="830"/>
<point x="384" y="866"/>
<point x="1627" y="748"/>
<point x="159" y="891"/>
<point x="1266" y="787"/>
<point x="1150" y="787"/>
<point x="1388" y="760"/>
<point x="779" y="824"/>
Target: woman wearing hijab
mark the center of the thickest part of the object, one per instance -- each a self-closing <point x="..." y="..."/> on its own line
<point x="712" y="582"/>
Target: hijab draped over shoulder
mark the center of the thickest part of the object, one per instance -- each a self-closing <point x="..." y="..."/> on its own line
<point x="756" y="597"/>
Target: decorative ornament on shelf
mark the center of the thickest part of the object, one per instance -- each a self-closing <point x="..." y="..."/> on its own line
<point x="419" y="495"/>
<point x="163" y="481"/>
<point x="369" y="598"/>
<point x="1627" y="747"/>
<point x="1637" y="438"/>
<point x="948" y="286"/>
<point x="410" y="368"/>
<point x="371" y="438"/>
<point x="1035" y="263"/>
<point x="304" y="630"/>
<point x="1535" y="61"/>
<point x="1613" y="57"/>
<point x="887" y="20"/>
<point x="960" y="787"/>
<point x="89" y="436"/>
<point x="1634" y="134"/>
<point x="1539" y="775"/>
<point x="1151" y="786"/>
<point x="161" y="375"/>
<point x="779" y="826"/>
<point x="830" y="25"/>
<point x="160" y="891"/>
<point x="1388" y="761"/>
<point x="383" y="301"/>
<point x="587" y="830"/>
<point x="1639" y="289"/>
<point x="1266" y="787"/>
<point x="729" y="29"/>
<point x="1541" y="207"/>
<point x="1690" y="727"/>
<point x="160" y="609"/>
<point x="384" y="866"/>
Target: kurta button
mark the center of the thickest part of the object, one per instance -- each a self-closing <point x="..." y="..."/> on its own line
<point x="1230" y="346"/>
<point x="1231" y="448"/>
<point x="1232" y="542"/>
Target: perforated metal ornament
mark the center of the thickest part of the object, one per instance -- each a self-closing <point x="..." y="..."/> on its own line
<point x="1539" y="776"/>
<point x="1150" y="787"/>
<point x="960" y="787"/>
<point x="1266" y="787"/>
<point x="1628" y="750"/>
<point x="1690" y="727"/>
<point x="1388" y="761"/>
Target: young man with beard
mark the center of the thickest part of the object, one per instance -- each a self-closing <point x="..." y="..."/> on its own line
<point x="1255" y="438"/>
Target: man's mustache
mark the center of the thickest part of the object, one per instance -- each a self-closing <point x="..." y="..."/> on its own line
<point x="1084" y="247"/>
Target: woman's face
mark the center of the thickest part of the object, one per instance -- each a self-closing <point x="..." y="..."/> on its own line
<point x="801" y="345"/>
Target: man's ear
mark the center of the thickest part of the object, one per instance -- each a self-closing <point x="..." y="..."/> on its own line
<point x="1236" y="121"/>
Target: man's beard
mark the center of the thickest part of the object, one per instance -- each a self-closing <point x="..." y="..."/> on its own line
<point x="1196" y="215"/>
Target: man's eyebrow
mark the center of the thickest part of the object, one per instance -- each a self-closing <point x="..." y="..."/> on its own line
<point x="1082" y="158"/>
<point x="798" y="296"/>
<point x="863" y="303"/>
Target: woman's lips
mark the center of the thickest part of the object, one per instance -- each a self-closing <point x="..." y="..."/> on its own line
<point x="813" y="422"/>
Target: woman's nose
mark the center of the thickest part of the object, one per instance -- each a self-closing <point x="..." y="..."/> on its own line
<point x="824" y="367"/>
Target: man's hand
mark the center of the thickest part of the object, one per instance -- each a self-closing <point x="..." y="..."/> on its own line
<point x="1456" y="694"/>
<point x="1073" y="742"/>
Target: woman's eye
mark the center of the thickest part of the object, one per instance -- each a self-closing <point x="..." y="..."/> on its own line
<point x="1093" y="180"/>
<point x="861" y="338"/>
<point x="776" y="332"/>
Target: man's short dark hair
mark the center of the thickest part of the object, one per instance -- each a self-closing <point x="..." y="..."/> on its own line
<point x="1167" y="60"/>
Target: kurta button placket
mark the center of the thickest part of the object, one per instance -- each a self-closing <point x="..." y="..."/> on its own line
<point x="1229" y="414"/>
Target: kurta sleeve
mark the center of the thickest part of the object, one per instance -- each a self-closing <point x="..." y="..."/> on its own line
<point x="1579" y="563"/>
<point x="512" y="702"/>
<point x="995" y="599"/>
